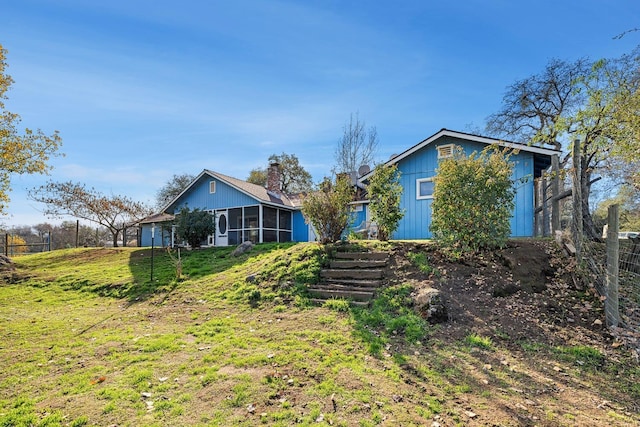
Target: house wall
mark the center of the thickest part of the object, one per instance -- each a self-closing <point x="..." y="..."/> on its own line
<point x="162" y="237"/>
<point x="424" y="164"/>
<point x="229" y="197"/>
<point x="225" y="196"/>
<point x="300" y="228"/>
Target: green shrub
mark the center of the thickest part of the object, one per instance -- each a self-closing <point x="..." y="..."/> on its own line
<point x="385" y="192"/>
<point x="327" y="209"/>
<point x="194" y="225"/>
<point x="473" y="201"/>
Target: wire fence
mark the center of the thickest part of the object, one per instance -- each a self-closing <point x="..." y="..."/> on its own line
<point x="610" y="263"/>
<point x="11" y="245"/>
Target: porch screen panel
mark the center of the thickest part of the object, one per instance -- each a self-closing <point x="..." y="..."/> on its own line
<point x="285" y="220"/>
<point x="269" y="236"/>
<point x="285" y="236"/>
<point x="251" y="217"/>
<point x="269" y="217"/>
<point x="235" y="219"/>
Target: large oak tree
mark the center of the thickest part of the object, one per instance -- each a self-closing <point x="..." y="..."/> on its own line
<point x="569" y="101"/>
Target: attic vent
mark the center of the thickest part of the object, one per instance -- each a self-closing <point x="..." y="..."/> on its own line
<point x="445" y="151"/>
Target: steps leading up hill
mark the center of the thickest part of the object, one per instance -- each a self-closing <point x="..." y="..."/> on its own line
<point x="355" y="276"/>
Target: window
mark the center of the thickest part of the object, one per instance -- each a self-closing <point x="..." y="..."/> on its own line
<point x="445" y="151"/>
<point x="424" y="188"/>
<point x="212" y="187"/>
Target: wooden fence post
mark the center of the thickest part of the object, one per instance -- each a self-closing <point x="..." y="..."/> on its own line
<point x="613" y="257"/>
<point x="555" y="192"/>
<point x="545" y="206"/>
<point x="577" y="199"/>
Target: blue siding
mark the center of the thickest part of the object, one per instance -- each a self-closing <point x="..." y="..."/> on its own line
<point x="522" y="219"/>
<point x="357" y="217"/>
<point x="162" y="237"/>
<point x="300" y="228"/>
<point x="424" y="163"/>
<point x="225" y="196"/>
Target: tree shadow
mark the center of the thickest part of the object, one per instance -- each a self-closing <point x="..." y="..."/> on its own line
<point x="196" y="264"/>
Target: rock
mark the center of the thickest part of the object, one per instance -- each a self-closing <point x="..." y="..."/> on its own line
<point x="6" y="263"/>
<point x="244" y="247"/>
<point x="428" y="302"/>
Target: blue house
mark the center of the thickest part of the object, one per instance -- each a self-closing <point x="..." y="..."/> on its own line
<point x="243" y="211"/>
<point x="419" y="164"/>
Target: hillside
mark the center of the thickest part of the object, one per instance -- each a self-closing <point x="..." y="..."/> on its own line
<point x="88" y="339"/>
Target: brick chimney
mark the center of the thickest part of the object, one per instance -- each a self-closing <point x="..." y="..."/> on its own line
<point x="273" y="178"/>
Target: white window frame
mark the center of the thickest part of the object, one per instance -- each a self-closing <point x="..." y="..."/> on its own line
<point x="418" y="182"/>
<point x="212" y="187"/>
<point x="445" y="151"/>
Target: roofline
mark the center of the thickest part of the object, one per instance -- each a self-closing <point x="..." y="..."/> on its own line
<point x="221" y="177"/>
<point x="164" y="209"/>
<point x="469" y="137"/>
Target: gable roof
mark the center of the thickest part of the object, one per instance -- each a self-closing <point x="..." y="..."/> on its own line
<point x="257" y="192"/>
<point x="541" y="151"/>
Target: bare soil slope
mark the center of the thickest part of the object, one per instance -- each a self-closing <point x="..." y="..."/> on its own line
<point x="547" y="334"/>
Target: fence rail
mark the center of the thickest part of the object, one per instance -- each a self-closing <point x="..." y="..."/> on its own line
<point x="9" y="248"/>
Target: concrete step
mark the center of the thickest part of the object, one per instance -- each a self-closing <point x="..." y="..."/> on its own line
<point x="358" y="264"/>
<point x="351" y="295"/>
<point x="351" y="274"/>
<point x="362" y="255"/>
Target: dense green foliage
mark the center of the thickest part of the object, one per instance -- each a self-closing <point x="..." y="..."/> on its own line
<point x="473" y="201"/>
<point x="194" y="226"/>
<point x="385" y="192"/>
<point x="327" y="208"/>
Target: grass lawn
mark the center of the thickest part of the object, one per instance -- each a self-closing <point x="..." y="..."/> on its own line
<point x="86" y="338"/>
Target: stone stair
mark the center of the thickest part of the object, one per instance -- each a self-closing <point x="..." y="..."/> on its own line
<point x="355" y="276"/>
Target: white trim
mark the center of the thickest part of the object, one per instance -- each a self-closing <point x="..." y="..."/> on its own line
<point x="212" y="187"/>
<point x="418" y="182"/>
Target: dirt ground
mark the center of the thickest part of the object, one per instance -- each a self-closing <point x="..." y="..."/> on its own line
<point x="524" y="295"/>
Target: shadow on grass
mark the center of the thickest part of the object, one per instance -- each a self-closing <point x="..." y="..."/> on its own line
<point x="196" y="264"/>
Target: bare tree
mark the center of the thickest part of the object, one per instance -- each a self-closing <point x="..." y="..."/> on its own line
<point x="567" y="102"/>
<point x="67" y="198"/>
<point x="357" y="146"/>
<point x="173" y="187"/>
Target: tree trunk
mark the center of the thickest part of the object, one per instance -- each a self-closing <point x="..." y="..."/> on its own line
<point x="115" y="233"/>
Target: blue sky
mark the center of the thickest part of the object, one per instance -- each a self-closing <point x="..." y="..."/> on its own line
<point x="143" y="89"/>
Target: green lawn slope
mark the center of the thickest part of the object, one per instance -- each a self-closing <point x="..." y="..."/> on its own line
<point x="88" y="339"/>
